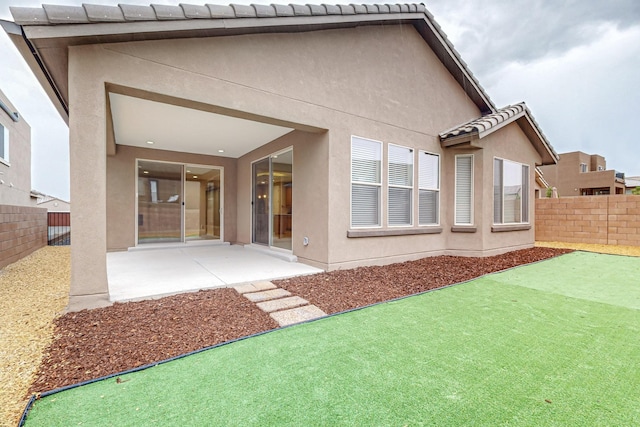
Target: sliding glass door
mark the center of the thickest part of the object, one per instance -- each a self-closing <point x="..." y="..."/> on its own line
<point x="159" y="202"/>
<point x="272" y="200"/>
<point x="178" y="202"/>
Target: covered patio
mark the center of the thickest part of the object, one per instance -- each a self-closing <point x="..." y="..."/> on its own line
<point x="160" y="271"/>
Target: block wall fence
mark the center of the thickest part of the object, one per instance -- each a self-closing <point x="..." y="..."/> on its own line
<point x="23" y="229"/>
<point x="606" y="220"/>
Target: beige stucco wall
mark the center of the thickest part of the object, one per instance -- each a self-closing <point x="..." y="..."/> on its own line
<point x="15" y="175"/>
<point x="351" y="82"/>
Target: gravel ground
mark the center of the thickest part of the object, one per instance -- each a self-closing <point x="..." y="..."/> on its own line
<point x="94" y="343"/>
<point x="33" y="291"/>
<point x="589" y="247"/>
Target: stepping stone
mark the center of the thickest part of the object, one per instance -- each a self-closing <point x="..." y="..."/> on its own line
<point x="297" y="315"/>
<point x="254" y="287"/>
<point x="267" y="295"/>
<point x="281" y="304"/>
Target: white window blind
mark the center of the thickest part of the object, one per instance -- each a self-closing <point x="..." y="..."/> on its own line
<point x="497" y="191"/>
<point x="428" y="188"/>
<point x="4" y="143"/>
<point x="400" y="185"/>
<point x="366" y="166"/>
<point x="464" y="189"/>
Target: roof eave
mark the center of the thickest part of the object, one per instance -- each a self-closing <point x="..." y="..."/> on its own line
<point x="28" y="38"/>
<point x="531" y="129"/>
<point x="30" y="55"/>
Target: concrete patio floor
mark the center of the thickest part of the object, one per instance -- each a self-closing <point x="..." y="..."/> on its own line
<point x="155" y="272"/>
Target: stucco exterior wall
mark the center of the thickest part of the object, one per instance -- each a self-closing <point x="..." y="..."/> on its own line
<point x="15" y="174"/>
<point x="350" y="82"/>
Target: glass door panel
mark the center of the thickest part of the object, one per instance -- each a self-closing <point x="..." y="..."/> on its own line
<point x="281" y="196"/>
<point x="260" y="202"/>
<point x="159" y="202"/>
<point x="202" y="203"/>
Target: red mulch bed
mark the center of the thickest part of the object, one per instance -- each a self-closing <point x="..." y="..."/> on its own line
<point x="94" y="343"/>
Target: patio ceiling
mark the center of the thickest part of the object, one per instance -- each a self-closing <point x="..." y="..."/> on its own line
<point x="150" y="124"/>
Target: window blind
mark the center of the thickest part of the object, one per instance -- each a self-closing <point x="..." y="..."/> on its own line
<point x="464" y="189"/>
<point x="428" y="188"/>
<point x="497" y="191"/>
<point x="400" y="166"/>
<point x="400" y="204"/>
<point x="366" y="166"/>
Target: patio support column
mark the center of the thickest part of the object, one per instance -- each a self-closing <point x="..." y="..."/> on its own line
<point x="87" y="155"/>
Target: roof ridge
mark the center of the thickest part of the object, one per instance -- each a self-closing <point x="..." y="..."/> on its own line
<point x="51" y="14"/>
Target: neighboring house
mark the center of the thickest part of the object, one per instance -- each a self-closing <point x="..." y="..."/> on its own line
<point x="342" y="135"/>
<point x="53" y="204"/>
<point x="581" y="174"/>
<point x="541" y="184"/>
<point x="631" y="183"/>
<point x="15" y="157"/>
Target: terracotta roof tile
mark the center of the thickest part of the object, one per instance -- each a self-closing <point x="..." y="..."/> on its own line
<point x="485" y="123"/>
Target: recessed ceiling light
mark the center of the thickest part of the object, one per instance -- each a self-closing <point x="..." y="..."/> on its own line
<point x="188" y="171"/>
<point x="145" y="172"/>
<point x="220" y="151"/>
<point x="150" y="142"/>
<point x="195" y="176"/>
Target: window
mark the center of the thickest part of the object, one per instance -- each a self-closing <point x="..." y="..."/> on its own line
<point x="400" y="185"/>
<point x="510" y="192"/>
<point x="428" y="188"/>
<point x="583" y="168"/>
<point x="600" y="168"/>
<point x="464" y="190"/>
<point x="4" y="143"/>
<point x="366" y="182"/>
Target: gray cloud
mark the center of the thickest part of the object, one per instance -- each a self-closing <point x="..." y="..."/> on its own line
<point x="497" y="32"/>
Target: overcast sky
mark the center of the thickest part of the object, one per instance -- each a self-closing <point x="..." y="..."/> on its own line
<point x="575" y="63"/>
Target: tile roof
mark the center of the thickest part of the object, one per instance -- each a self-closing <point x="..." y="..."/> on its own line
<point x="50" y="14"/>
<point x="37" y="28"/>
<point x="487" y="124"/>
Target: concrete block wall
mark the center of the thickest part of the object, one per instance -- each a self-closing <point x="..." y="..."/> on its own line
<point x="606" y="220"/>
<point x="23" y="230"/>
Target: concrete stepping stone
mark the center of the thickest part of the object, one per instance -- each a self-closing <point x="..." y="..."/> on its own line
<point x="297" y="315"/>
<point x="267" y="295"/>
<point x="281" y="304"/>
<point x="254" y="287"/>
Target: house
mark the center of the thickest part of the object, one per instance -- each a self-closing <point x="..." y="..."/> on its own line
<point x="631" y="183"/>
<point x="344" y="135"/>
<point x="53" y="204"/>
<point x="582" y="174"/>
<point x="15" y="157"/>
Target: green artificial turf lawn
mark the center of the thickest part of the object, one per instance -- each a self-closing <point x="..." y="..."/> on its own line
<point x="532" y="346"/>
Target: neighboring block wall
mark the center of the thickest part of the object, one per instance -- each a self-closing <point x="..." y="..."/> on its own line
<point x="607" y="220"/>
<point x="22" y="230"/>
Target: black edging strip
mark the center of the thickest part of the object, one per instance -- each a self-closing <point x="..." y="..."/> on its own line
<point x="35" y="397"/>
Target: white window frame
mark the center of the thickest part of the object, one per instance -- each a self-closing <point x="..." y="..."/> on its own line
<point x="600" y="168"/>
<point x="436" y="188"/>
<point x="527" y="187"/>
<point x="406" y="187"/>
<point x="472" y="190"/>
<point x="378" y="184"/>
<point x="5" y="132"/>
<point x="583" y="168"/>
